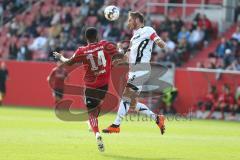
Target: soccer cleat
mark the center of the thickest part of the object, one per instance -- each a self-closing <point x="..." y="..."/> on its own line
<point x="160" y="122"/>
<point x="100" y="142"/>
<point x="112" y="129"/>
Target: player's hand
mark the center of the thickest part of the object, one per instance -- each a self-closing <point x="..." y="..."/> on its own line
<point x="57" y="55"/>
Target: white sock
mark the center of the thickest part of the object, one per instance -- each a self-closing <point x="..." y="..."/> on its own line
<point x="122" y="111"/>
<point x="143" y="109"/>
<point x="97" y="134"/>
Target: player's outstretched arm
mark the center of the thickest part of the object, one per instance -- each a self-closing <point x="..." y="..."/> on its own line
<point x="62" y="59"/>
<point x="160" y="43"/>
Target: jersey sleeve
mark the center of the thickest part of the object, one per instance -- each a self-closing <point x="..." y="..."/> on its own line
<point x="110" y="48"/>
<point x="152" y="34"/>
<point x="76" y="56"/>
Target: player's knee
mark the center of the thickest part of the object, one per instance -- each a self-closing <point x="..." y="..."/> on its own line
<point x="92" y="104"/>
<point x="133" y="103"/>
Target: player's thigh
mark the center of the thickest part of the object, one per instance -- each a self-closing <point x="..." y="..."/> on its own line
<point x="138" y="75"/>
<point x="94" y="96"/>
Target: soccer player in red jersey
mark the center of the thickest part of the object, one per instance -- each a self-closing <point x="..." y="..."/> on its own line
<point x="225" y="100"/>
<point x="98" y="59"/>
<point x="59" y="74"/>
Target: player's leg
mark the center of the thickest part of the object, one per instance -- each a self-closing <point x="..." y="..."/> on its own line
<point x="143" y="109"/>
<point x="93" y="99"/>
<point x="222" y="107"/>
<point x="122" y="111"/>
<point x="159" y="119"/>
<point x="213" y="108"/>
<point x="130" y="100"/>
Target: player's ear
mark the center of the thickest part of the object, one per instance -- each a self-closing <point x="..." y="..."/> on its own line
<point x="137" y="20"/>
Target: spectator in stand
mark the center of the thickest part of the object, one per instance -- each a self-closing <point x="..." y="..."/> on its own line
<point x="225" y="101"/>
<point x="23" y="52"/>
<point x="13" y="49"/>
<point x="221" y="47"/>
<point x="66" y="16"/>
<point x="164" y="26"/>
<point x="114" y="33"/>
<point x="207" y="102"/>
<point x="170" y="49"/>
<point x="3" y="79"/>
<point x="236" y="35"/>
<point x="31" y="29"/>
<point x="237" y="12"/>
<point x="228" y="58"/>
<point x="173" y="33"/>
<point x="195" y="21"/>
<point x="206" y="25"/>
<point x="13" y="28"/>
<point x="55" y="30"/>
<point x="196" y="37"/>
<point x="179" y="23"/>
<point x="234" y="46"/>
<point x="235" y="65"/>
<point x="93" y="8"/>
<point x="11" y="7"/>
<point x="171" y="46"/>
<point x="212" y="61"/>
<point x="56" y="18"/>
<point x="184" y="33"/>
<point x="39" y="43"/>
<point x="182" y="49"/>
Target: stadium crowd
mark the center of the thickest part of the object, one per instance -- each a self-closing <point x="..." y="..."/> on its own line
<point x="59" y="25"/>
<point x="226" y="55"/>
<point x="10" y="8"/>
<point x="183" y="39"/>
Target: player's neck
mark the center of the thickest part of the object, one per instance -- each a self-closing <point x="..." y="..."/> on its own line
<point x="92" y="42"/>
<point x="139" y="26"/>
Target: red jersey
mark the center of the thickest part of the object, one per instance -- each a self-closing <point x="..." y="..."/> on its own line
<point x="97" y="61"/>
<point x="226" y="98"/>
<point x="211" y="97"/>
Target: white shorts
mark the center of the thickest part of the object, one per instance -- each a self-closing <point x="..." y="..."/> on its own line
<point x="138" y="75"/>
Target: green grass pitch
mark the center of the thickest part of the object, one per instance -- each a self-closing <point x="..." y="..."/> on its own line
<point x="36" y="134"/>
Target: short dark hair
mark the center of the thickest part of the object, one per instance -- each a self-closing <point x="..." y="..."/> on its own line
<point x="137" y="15"/>
<point x="91" y="34"/>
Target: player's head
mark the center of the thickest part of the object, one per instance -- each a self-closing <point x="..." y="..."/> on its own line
<point x="91" y="35"/>
<point x="135" y="20"/>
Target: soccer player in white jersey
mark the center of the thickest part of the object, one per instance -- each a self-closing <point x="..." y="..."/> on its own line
<point x="138" y="56"/>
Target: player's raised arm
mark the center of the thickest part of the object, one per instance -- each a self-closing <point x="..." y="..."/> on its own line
<point x="160" y="43"/>
<point x="158" y="40"/>
<point x="62" y="59"/>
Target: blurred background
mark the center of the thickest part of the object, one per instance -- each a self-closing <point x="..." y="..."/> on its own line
<point x="202" y="36"/>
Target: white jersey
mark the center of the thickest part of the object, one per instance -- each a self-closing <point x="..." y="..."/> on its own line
<point x="141" y="45"/>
